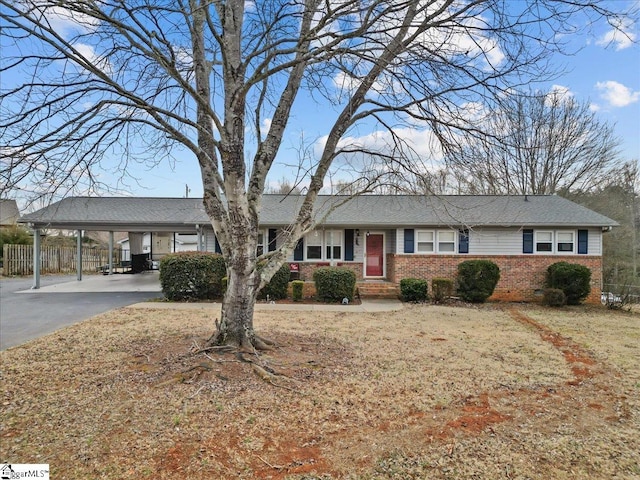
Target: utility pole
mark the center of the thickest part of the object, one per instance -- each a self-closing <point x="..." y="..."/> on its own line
<point x="186" y="191"/>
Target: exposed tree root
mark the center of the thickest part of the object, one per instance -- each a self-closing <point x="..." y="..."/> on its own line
<point x="268" y="376"/>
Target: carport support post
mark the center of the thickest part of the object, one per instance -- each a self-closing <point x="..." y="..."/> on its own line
<point x="79" y="257"/>
<point x="110" y="253"/>
<point x="36" y="259"/>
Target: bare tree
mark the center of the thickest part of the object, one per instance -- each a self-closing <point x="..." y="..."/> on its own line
<point x="536" y="143"/>
<point x="141" y="78"/>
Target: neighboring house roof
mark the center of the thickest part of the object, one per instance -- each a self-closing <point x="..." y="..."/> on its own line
<point x="9" y="213"/>
<point x="135" y="213"/>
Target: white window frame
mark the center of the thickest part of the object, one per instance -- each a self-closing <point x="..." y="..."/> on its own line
<point x="558" y="242"/>
<point x="453" y="241"/>
<point x="551" y="241"/>
<point x="259" y="243"/>
<point x="418" y="242"/>
<point x="333" y="238"/>
<point x="314" y="239"/>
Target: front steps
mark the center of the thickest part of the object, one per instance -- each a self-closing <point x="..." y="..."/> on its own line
<point x="378" y="290"/>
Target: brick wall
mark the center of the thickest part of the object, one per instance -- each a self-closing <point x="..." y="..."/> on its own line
<point x="521" y="276"/>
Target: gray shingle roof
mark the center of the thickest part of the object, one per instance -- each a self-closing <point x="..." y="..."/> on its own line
<point x="122" y="213"/>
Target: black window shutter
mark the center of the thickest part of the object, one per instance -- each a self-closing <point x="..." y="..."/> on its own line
<point x="348" y="244"/>
<point x="273" y="232"/>
<point x="463" y="241"/>
<point x="298" y="252"/>
<point x="583" y="241"/>
<point x="408" y="240"/>
<point x="218" y="249"/>
<point x="527" y="241"/>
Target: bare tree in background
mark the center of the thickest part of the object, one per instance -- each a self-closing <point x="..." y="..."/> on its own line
<point x="138" y="80"/>
<point x="537" y="143"/>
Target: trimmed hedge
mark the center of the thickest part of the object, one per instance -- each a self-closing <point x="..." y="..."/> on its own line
<point x="414" y="290"/>
<point x="276" y="289"/>
<point x="477" y="279"/>
<point x="573" y="279"/>
<point x="554" y="297"/>
<point x="334" y="283"/>
<point x="192" y="275"/>
<point x="296" y="290"/>
<point x="441" y="289"/>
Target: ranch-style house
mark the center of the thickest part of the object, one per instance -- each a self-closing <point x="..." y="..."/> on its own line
<point x="382" y="238"/>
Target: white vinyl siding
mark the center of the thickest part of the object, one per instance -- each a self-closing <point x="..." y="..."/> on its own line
<point x="495" y="241"/>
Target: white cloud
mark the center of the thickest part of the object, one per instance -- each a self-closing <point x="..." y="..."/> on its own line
<point x="617" y="94"/>
<point x="65" y="21"/>
<point x="622" y="35"/>
<point x="265" y="126"/>
<point x="421" y="142"/>
<point x="558" y="94"/>
<point x="89" y="53"/>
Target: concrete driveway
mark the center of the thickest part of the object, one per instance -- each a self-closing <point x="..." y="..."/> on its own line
<point x="26" y="314"/>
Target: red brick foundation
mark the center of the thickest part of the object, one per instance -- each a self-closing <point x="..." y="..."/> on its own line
<point x="521" y="276"/>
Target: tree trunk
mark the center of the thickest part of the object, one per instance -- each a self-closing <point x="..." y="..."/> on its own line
<point x="236" y="324"/>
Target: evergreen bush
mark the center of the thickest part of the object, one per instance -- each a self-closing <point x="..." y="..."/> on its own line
<point x="276" y="289"/>
<point x="554" y="297"/>
<point x="573" y="279"/>
<point x="296" y="290"/>
<point x="477" y="279"/>
<point x="192" y="275"/>
<point x="414" y="290"/>
<point x="441" y="289"/>
<point x="334" y="283"/>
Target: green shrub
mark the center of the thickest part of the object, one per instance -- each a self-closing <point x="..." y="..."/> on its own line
<point x="276" y="289"/>
<point x="296" y="290"/>
<point x="477" y="280"/>
<point x="573" y="279"/>
<point x="333" y="284"/>
<point x="441" y="289"/>
<point x="554" y="297"/>
<point x="414" y="290"/>
<point x="192" y="275"/>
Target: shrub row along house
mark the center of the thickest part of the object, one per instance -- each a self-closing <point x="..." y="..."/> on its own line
<point x="382" y="238"/>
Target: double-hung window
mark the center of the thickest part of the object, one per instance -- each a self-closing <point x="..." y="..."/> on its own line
<point x="565" y="242"/>
<point x="446" y="241"/>
<point x="314" y="246"/>
<point x="425" y="241"/>
<point x="260" y="248"/>
<point x="544" y="241"/>
<point x="333" y="244"/>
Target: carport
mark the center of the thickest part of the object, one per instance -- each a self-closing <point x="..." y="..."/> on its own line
<point x="117" y="214"/>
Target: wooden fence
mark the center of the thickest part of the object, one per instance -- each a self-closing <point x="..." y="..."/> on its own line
<point x="18" y="259"/>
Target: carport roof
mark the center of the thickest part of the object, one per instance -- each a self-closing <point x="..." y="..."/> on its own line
<point x="176" y="214"/>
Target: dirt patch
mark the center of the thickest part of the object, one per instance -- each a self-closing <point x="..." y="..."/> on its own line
<point x="426" y="392"/>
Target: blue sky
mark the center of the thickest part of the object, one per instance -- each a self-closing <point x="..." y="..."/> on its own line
<point x="604" y="70"/>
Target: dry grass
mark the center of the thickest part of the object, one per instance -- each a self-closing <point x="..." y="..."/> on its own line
<point x="428" y="392"/>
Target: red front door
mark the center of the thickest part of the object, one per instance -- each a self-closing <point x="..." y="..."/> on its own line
<point x="375" y="255"/>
